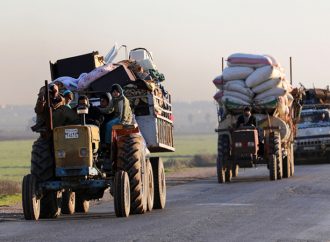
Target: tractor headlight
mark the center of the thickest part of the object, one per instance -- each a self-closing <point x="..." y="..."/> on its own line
<point x="83" y="152"/>
<point x="250" y="144"/>
<point x="61" y="154"/>
<point x="238" y="144"/>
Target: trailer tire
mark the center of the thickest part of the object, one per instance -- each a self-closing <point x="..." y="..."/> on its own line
<point x="121" y="194"/>
<point x="30" y="200"/>
<point x="159" y="182"/>
<point x="68" y="202"/>
<point x="223" y="156"/>
<point x="131" y="159"/>
<point x="151" y="188"/>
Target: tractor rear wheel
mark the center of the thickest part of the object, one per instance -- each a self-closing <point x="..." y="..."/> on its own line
<point x="121" y="194"/>
<point x="81" y="204"/>
<point x="42" y="161"/>
<point x="223" y="157"/>
<point x="30" y="200"/>
<point x="151" y="190"/>
<point x="159" y="182"/>
<point x="132" y="160"/>
<point x="275" y="155"/>
<point x="68" y="202"/>
<point x="50" y="204"/>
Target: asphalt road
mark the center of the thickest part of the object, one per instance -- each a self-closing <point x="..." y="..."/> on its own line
<point x="251" y="208"/>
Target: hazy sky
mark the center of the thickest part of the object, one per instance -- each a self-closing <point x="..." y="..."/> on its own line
<point x="187" y="38"/>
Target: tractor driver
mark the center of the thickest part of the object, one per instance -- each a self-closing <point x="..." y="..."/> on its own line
<point x="246" y="119"/>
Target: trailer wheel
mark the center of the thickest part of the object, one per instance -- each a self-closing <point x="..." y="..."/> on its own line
<point x="235" y="170"/>
<point x="81" y="204"/>
<point x="68" y="202"/>
<point x="121" y="194"/>
<point x="223" y="156"/>
<point x="50" y="204"/>
<point x="159" y="182"/>
<point x="131" y="159"/>
<point x="151" y="190"/>
<point x="30" y="200"/>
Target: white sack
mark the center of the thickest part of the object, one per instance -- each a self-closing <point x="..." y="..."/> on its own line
<point x="218" y="96"/>
<point x="276" y="92"/>
<point x="266" y="85"/>
<point x="86" y="79"/>
<point x="262" y="74"/>
<point x="234" y="100"/>
<point x="68" y="82"/>
<point x="236" y="73"/>
<point x="218" y="82"/>
<point x="250" y="60"/>
<point x="238" y="86"/>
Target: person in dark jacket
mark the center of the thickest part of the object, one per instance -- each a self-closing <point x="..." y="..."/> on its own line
<point x="121" y="109"/>
<point x="94" y="115"/>
<point x="56" y="101"/>
<point x="246" y="119"/>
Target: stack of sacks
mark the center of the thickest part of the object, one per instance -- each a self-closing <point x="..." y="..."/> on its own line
<point x="256" y="80"/>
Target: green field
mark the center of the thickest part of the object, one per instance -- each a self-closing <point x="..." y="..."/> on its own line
<point x="15" y="155"/>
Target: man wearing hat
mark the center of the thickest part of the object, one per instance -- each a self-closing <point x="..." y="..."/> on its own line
<point x="246" y="119"/>
<point x="68" y="97"/>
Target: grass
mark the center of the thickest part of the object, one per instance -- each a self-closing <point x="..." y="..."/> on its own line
<point x="15" y="159"/>
<point x="8" y="200"/>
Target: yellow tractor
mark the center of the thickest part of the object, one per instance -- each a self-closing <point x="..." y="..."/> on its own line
<point x="67" y="172"/>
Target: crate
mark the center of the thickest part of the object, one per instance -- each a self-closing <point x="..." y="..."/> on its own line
<point x="74" y="66"/>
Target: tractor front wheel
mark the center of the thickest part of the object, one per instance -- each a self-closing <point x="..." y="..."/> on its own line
<point x="121" y="194"/>
<point x="30" y="200"/>
<point x="68" y="202"/>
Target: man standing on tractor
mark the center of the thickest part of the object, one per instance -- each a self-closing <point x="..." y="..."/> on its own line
<point x="246" y="119"/>
<point x="56" y="101"/>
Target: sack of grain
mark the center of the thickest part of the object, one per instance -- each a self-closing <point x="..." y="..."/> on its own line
<point x="236" y="73"/>
<point x="248" y="60"/>
<point x="264" y="86"/>
<point x="218" y="81"/>
<point x="262" y="74"/>
<point x="239" y="87"/>
<point x="275" y="92"/>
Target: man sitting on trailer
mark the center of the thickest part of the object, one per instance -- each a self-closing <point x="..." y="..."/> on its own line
<point x="121" y="108"/>
<point x="246" y="119"/>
